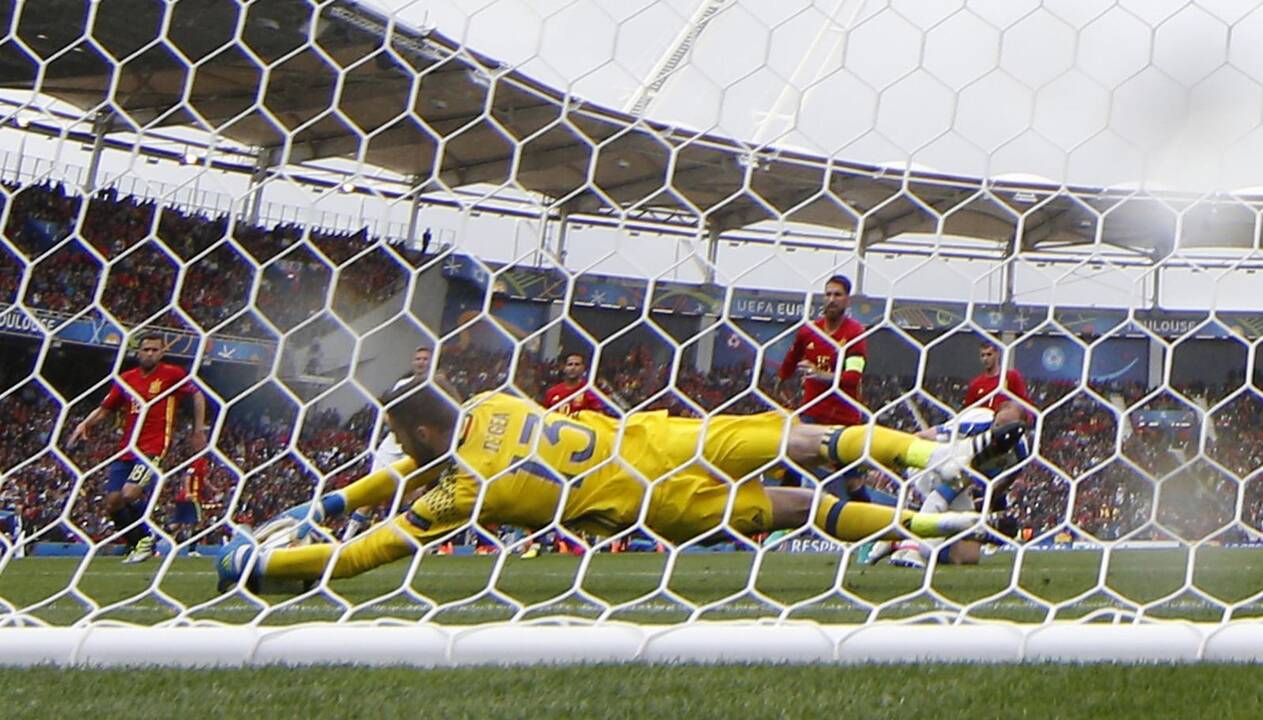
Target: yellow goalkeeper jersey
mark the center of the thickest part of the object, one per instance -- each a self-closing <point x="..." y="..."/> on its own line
<point x="530" y="456"/>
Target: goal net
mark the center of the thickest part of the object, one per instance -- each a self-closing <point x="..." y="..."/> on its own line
<point x="303" y="203"/>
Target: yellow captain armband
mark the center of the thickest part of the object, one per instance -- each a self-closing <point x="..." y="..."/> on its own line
<point x="855" y="364"/>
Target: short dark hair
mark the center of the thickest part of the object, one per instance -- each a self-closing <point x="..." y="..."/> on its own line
<point x="150" y="335"/>
<point x="842" y="280"/>
<point x="582" y="358"/>
<point x="427" y="348"/>
<point x="420" y="403"/>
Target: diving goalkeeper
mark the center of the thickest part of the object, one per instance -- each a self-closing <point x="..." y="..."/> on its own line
<point x="520" y="465"/>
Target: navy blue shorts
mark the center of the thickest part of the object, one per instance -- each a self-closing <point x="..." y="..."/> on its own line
<point x="187" y="512"/>
<point x="128" y="471"/>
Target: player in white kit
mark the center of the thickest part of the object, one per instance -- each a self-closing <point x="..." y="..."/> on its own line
<point x="390" y="451"/>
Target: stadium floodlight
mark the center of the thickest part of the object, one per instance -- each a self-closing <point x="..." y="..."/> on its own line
<point x="1064" y="190"/>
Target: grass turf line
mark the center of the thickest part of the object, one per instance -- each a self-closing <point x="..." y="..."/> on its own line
<point x="611" y="691"/>
<point x="1141" y="576"/>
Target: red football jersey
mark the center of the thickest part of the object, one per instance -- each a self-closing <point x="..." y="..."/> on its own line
<point x="558" y="399"/>
<point x="158" y="414"/>
<point x="196" y="476"/>
<point x="980" y="386"/>
<point x="813" y="345"/>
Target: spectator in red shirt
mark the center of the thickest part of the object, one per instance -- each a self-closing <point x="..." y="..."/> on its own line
<point x="573" y="394"/>
<point x="149" y="399"/>
<point x="985" y="390"/>
<point x="829" y="348"/>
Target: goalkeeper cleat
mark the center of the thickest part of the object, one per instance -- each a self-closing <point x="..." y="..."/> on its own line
<point x="232" y="563"/>
<point x="531" y="552"/>
<point x="870" y="553"/>
<point x="908" y="558"/>
<point x="143" y="551"/>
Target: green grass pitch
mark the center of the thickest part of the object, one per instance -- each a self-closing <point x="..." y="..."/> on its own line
<point x="470" y="589"/>
<point x="643" y="692"/>
<point x="453" y="590"/>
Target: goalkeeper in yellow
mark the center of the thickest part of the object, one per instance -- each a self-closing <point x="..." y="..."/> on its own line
<point x="515" y="464"/>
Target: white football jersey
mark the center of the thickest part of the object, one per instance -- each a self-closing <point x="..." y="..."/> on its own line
<point x="390" y="450"/>
<point x="971" y="422"/>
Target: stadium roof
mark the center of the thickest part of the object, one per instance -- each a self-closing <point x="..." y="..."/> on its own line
<point x="303" y="83"/>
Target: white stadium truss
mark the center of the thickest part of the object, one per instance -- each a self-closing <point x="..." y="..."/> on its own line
<point x="361" y="106"/>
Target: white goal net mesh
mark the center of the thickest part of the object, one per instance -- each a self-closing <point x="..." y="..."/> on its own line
<point x="299" y="197"/>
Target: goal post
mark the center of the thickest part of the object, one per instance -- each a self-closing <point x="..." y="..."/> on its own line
<point x="308" y="201"/>
<point x="389" y="644"/>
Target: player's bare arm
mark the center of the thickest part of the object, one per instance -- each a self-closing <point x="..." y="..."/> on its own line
<point x="83" y="429"/>
<point x="199" y="437"/>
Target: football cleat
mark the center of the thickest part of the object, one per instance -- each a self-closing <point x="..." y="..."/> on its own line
<point x="232" y="563"/>
<point x="951" y="523"/>
<point x="143" y="551"/>
<point x="774" y="537"/>
<point x="870" y="553"/>
<point x="907" y="558"/>
<point x="991" y="444"/>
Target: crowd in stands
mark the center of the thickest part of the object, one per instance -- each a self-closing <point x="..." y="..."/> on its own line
<point x="78" y="249"/>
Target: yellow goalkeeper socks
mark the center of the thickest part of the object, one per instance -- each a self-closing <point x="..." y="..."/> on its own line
<point x="851" y="521"/>
<point x="889" y="447"/>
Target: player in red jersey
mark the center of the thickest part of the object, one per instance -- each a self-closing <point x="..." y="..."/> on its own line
<point x="982" y="389"/>
<point x="188" y="501"/>
<point x="831" y="354"/>
<point x="148" y="394"/>
<point x="829" y="345"/>
<point x="573" y="394"/>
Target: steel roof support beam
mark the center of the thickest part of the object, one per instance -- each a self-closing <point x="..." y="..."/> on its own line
<point x="712" y="251"/>
<point x="263" y="162"/>
<point x="102" y="122"/>
<point x="414" y="210"/>
<point x="563" y="231"/>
